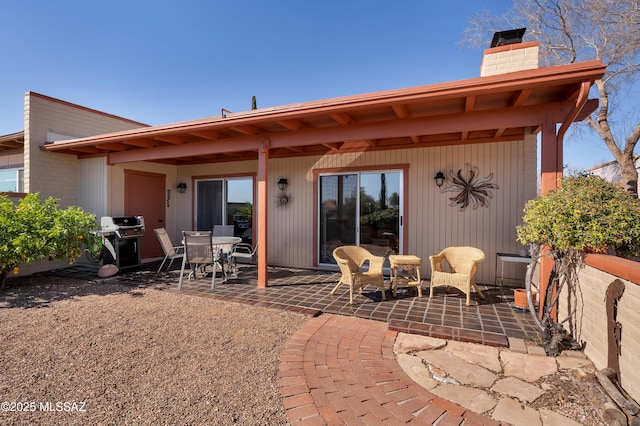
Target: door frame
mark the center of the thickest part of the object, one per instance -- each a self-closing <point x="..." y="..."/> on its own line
<point x="404" y="202"/>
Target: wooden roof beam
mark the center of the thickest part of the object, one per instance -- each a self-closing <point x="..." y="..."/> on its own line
<point x="86" y="149"/>
<point x="247" y="130"/>
<point x="174" y="139"/>
<point x="400" y="111"/>
<point x="521" y="97"/>
<point x="469" y="103"/>
<point x="342" y="118"/>
<point x="500" y="132"/>
<point x="210" y="135"/>
<point x="115" y="146"/>
<point x="332" y="146"/>
<point x="142" y="143"/>
<point x="293" y="125"/>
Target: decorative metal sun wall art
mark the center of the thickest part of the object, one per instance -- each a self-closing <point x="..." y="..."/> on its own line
<point x="283" y="199"/>
<point x="472" y="189"/>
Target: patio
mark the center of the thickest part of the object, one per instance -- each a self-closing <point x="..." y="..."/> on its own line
<point x="490" y="321"/>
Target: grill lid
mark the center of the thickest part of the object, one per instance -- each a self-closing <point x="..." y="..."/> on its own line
<point x="123" y="226"/>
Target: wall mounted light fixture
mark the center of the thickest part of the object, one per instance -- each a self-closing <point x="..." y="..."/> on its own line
<point x="282" y="184"/>
<point x="181" y="187"/>
<point x="439" y="178"/>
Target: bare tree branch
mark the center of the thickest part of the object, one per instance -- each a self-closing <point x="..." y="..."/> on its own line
<point x="581" y="30"/>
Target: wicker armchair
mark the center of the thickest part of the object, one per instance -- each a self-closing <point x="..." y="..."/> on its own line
<point x="350" y="260"/>
<point x="463" y="262"/>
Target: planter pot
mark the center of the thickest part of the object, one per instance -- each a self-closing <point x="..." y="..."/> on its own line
<point x="520" y="298"/>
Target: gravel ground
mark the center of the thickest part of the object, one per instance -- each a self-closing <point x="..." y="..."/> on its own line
<point x="78" y="352"/>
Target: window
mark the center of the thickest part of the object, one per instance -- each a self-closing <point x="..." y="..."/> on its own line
<point x="225" y="202"/>
<point x="12" y="180"/>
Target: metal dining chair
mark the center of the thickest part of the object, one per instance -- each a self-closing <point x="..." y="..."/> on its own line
<point x="171" y="252"/>
<point x="198" y="253"/>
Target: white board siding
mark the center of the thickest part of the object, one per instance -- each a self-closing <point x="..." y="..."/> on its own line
<point x="92" y="185"/>
<point x="431" y="222"/>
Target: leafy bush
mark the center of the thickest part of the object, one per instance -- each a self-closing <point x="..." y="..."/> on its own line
<point x="35" y="230"/>
<point x="586" y="213"/>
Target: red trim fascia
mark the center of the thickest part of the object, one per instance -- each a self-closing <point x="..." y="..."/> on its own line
<point x="621" y="268"/>
<point x="435" y="92"/>
<point x="509" y="47"/>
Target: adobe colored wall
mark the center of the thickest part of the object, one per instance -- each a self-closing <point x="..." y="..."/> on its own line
<point x="599" y="272"/>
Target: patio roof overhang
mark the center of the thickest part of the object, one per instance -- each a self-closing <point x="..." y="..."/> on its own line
<point x="11" y="142"/>
<point x="478" y="110"/>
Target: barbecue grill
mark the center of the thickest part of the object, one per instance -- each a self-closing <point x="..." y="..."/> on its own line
<point x="121" y="240"/>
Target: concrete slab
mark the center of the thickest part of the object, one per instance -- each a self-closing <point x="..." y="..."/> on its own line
<point x="527" y="367"/>
<point x="510" y="411"/>
<point x="516" y="388"/>
<point x="413" y="366"/>
<point x="406" y="343"/>
<point x="536" y="350"/>
<point x="551" y="418"/>
<point x="484" y="356"/>
<point x="464" y="372"/>
<point x="472" y="399"/>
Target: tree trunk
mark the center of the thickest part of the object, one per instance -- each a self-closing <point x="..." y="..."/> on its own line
<point x="629" y="173"/>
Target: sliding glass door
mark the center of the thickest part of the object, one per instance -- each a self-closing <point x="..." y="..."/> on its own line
<point x="362" y="208"/>
<point x="225" y="202"/>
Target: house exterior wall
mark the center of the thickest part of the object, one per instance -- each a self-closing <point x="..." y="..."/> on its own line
<point x="591" y="323"/>
<point x="92" y="185"/>
<point x="11" y="160"/>
<point x="60" y="175"/>
<point x="54" y="174"/>
<point x="432" y="223"/>
<point x="115" y="177"/>
<point x="612" y="171"/>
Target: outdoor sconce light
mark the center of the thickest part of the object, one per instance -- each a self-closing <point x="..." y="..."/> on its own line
<point x="282" y="184"/>
<point x="439" y="178"/>
<point x="181" y="187"/>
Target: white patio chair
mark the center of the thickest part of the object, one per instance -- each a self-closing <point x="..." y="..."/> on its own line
<point x="243" y="251"/>
<point x="171" y="252"/>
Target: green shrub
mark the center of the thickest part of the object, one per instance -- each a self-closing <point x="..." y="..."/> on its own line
<point x="35" y="230"/>
<point x="586" y="213"/>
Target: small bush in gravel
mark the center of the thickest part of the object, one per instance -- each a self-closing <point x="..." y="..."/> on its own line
<point x="34" y="230"/>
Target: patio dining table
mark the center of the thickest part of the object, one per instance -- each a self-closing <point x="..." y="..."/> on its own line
<point x="224" y="245"/>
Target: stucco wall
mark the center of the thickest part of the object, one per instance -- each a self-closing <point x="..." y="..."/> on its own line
<point x="591" y="323"/>
<point x="54" y="174"/>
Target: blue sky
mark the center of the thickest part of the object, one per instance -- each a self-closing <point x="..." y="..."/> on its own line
<point x="165" y="61"/>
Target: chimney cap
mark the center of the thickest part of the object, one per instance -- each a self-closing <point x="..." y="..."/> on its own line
<point x="500" y="38"/>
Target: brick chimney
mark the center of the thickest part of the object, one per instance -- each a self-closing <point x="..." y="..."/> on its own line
<point x="510" y="58"/>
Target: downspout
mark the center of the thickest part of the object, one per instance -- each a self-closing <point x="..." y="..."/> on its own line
<point x="546" y="263"/>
